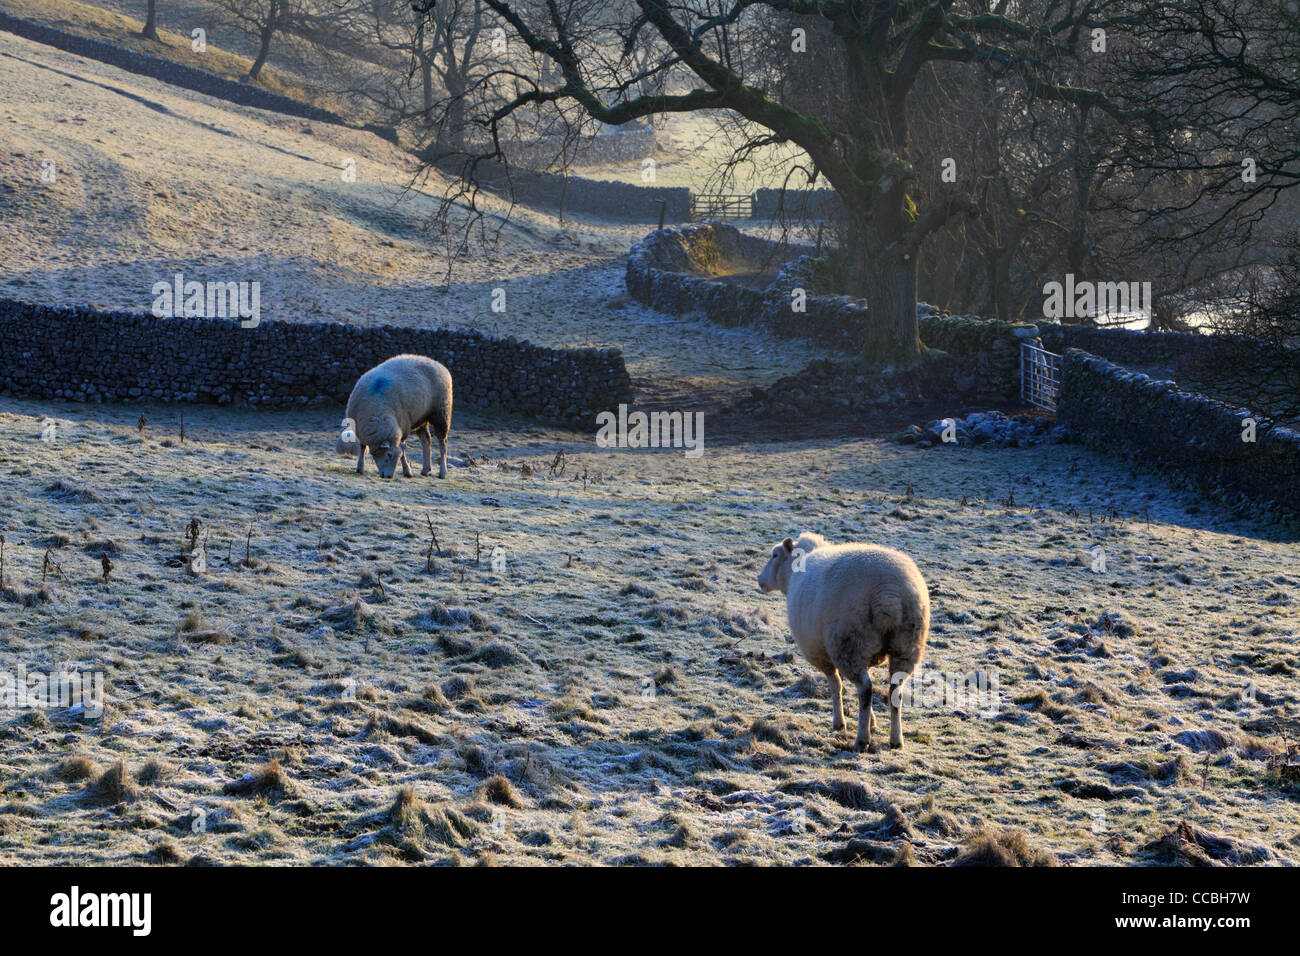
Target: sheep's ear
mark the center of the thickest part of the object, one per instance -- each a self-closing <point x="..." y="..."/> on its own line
<point x="788" y="544"/>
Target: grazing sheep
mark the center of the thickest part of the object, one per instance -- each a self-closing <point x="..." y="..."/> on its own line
<point x="850" y="606"/>
<point x="397" y="398"/>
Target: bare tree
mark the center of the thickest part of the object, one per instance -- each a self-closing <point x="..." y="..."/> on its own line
<point x="450" y="41"/>
<point x="150" y="31"/>
<point x="262" y="19"/>
<point x="855" y="134"/>
<point x="271" y="20"/>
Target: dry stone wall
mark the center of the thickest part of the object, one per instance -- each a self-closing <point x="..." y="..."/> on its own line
<point x="1191" y="439"/>
<point x="85" y="355"/>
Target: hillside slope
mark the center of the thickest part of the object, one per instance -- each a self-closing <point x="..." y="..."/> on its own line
<point x="154" y="180"/>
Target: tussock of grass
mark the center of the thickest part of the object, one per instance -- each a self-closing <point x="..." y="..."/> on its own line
<point x="432" y="701"/>
<point x="164" y="852"/>
<point x="665" y="676"/>
<point x="411" y="820"/>
<point x="299" y="658"/>
<point x="269" y="781"/>
<point x="498" y="654"/>
<point x="355" y="616"/>
<point x="938" y="821"/>
<point x="114" y="785"/>
<point x="194" y="628"/>
<point x="440" y="616"/>
<point x="499" y="790"/>
<point x="570" y="705"/>
<point x="764" y="729"/>
<point x="851" y="794"/>
<point x="476" y="760"/>
<point x="34" y="720"/>
<point x="807" y="686"/>
<point x="665" y="615"/>
<point x="64" y="490"/>
<point x="1039" y="701"/>
<point x="404" y="727"/>
<point x="405" y="816"/>
<point x="1186" y="844"/>
<point x="104" y="546"/>
<point x="13" y="592"/>
<point x="74" y="768"/>
<point x="1002" y="848"/>
<point x="153" y="771"/>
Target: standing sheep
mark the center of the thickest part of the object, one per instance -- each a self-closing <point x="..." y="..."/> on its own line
<point x="850" y="606"/>
<point x="395" y="399"/>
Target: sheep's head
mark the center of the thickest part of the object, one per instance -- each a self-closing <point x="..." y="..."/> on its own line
<point x="387" y="453"/>
<point x="776" y="576"/>
<point x="787" y="558"/>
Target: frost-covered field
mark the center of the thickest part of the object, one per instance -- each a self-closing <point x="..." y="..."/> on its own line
<point x="610" y="685"/>
<point x="619" y="690"/>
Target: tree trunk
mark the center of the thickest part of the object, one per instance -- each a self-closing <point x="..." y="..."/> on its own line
<point x="268" y="31"/>
<point x="893" y="337"/>
<point x="451" y="134"/>
<point x="426" y="81"/>
<point x="150" y="31"/>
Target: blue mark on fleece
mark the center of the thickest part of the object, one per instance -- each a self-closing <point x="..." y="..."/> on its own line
<point x="379" y="384"/>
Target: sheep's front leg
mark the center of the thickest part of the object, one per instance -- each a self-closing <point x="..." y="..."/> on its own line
<point x="361" y="461"/>
<point x="866" y="722"/>
<point x="426" y="448"/>
<point x="406" y="465"/>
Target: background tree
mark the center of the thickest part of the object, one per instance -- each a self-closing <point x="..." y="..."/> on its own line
<point x="854" y="129"/>
<point x="262" y="19"/>
<point x="150" y="30"/>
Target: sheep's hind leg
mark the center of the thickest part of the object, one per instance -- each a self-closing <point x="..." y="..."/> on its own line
<point x="866" y="722"/>
<point x="837" y="703"/>
<point x="441" y="429"/>
<point x="426" y="448"/>
<point x="899" y="670"/>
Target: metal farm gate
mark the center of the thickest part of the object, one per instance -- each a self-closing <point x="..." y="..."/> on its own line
<point x="721" y="206"/>
<point x="1040" y="376"/>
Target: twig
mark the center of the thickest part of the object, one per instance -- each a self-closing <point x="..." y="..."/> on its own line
<point x="433" y="543"/>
